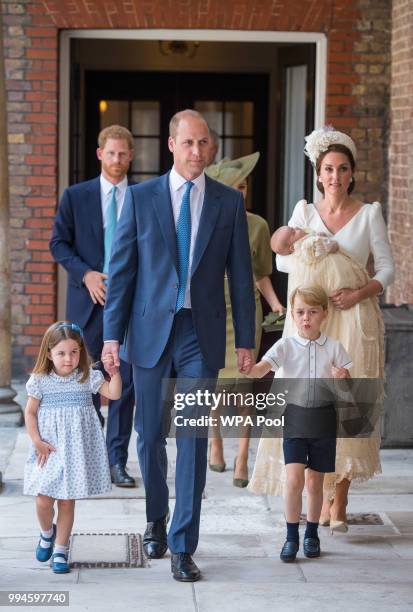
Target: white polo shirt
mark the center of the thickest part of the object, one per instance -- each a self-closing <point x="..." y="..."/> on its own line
<point x="307" y="360"/>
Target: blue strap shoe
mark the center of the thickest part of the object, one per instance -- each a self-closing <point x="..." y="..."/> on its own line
<point x="44" y="554"/>
<point x="289" y="551"/>
<point x="60" y="564"/>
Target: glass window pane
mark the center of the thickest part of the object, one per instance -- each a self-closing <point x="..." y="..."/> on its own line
<point x="295" y="105"/>
<point x="113" y="112"/>
<point x="212" y="112"/>
<point x="239" y="118"/>
<point x="146" y="117"/>
<point x="146" y="155"/>
<point x="238" y="147"/>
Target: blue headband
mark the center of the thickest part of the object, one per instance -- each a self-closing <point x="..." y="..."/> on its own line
<point x="73" y="326"/>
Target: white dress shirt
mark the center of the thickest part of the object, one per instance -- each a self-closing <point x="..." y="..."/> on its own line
<point x="307" y="360"/>
<point x="177" y="189"/>
<point x="106" y="196"/>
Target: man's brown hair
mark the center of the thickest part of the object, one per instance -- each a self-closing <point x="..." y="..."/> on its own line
<point x="117" y="132"/>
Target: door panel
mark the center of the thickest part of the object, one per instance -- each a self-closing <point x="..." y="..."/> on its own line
<point x="234" y="105"/>
<point x="295" y="119"/>
<point x="295" y="113"/>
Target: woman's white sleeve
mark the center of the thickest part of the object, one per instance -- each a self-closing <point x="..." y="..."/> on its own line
<point x="380" y="248"/>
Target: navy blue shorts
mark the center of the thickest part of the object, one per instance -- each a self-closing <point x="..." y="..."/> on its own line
<point x="319" y="454"/>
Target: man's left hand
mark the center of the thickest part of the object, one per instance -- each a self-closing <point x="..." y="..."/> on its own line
<point x="246" y="360"/>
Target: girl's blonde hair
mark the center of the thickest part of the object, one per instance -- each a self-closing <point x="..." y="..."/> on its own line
<point x="313" y="296"/>
<point x="62" y="330"/>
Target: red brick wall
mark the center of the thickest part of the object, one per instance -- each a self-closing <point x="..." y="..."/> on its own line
<point x="401" y="151"/>
<point x="357" y="101"/>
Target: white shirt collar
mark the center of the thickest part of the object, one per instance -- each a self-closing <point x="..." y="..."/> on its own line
<point x="304" y="341"/>
<point x="176" y="180"/>
<point x="107" y="186"/>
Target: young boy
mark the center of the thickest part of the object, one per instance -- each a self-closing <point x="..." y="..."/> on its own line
<point x="307" y="356"/>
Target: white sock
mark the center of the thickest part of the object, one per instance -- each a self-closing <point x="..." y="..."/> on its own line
<point x="60" y="550"/>
<point x="45" y="534"/>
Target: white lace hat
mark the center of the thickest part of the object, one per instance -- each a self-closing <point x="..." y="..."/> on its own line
<point x="319" y="140"/>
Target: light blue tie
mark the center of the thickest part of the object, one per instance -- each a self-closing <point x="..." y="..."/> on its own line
<point x="183" y="240"/>
<point x="110" y="229"/>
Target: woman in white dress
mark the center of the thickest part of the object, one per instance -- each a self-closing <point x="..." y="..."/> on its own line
<point x="360" y="230"/>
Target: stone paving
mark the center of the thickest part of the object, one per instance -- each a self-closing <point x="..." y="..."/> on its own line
<point x="370" y="568"/>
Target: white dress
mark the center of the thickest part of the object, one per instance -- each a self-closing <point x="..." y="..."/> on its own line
<point x="67" y="419"/>
<point x="365" y="233"/>
<point x="360" y="330"/>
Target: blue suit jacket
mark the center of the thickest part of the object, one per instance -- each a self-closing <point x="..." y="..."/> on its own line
<point x="143" y="277"/>
<point x="77" y="244"/>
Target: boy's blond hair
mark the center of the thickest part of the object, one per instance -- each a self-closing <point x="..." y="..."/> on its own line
<point x="313" y="296"/>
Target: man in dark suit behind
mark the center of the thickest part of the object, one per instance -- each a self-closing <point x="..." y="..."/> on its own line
<point x="81" y="242"/>
<point x="177" y="236"/>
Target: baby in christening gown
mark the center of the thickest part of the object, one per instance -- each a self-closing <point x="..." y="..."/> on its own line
<point x="319" y="260"/>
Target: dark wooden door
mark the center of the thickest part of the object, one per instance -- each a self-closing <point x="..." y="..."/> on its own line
<point x="235" y="105"/>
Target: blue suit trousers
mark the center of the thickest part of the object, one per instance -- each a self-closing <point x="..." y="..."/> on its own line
<point x="181" y="360"/>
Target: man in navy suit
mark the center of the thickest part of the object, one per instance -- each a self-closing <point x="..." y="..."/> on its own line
<point x="81" y="243"/>
<point x="177" y="236"/>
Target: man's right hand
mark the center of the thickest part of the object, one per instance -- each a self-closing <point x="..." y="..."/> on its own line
<point x="110" y="355"/>
<point x="94" y="282"/>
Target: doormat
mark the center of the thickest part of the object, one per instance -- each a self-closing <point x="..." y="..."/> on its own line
<point x="358" y="518"/>
<point x="93" y="550"/>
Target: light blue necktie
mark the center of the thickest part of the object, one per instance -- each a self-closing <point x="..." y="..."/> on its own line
<point x="110" y="229"/>
<point x="183" y="240"/>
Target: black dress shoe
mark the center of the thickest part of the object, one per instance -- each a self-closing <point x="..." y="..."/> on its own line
<point x="154" y="539"/>
<point x="183" y="568"/>
<point x="289" y="551"/>
<point x="311" y="547"/>
<point x="120" y="477"/>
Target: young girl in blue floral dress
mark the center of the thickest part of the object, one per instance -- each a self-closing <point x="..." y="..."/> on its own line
<point x="68" y="458"/>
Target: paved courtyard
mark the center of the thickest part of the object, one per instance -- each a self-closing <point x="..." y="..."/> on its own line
<point x="370" y="568"/>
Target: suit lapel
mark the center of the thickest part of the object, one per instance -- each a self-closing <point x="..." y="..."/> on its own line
<point x="209" y="216"/>
<point x="94" y="213"/>
<point x="163" y="207"/>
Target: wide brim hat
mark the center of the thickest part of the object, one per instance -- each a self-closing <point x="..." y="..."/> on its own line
<point x="232" y="172"/>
